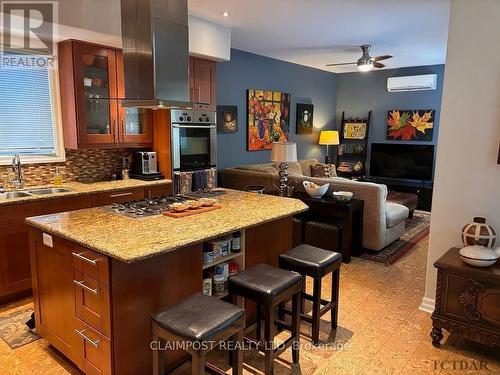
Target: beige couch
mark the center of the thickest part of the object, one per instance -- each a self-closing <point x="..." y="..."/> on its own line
<point x="383" y="222"/>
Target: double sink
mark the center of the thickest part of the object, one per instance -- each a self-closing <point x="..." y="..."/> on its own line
<point x="32" y="192"/>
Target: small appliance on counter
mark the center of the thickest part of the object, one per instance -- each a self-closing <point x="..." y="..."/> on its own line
<point x="145" y="166"/>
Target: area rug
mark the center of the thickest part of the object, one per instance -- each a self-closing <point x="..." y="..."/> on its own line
<point x="416" y="228"/>
<point x="13" y="328"/>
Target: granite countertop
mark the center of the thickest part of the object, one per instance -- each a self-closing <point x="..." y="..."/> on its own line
<point x="79" y="188"/>
<point x="130" y="240"/>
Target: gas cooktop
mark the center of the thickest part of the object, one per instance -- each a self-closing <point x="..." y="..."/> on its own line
<point x="145" y="207"/>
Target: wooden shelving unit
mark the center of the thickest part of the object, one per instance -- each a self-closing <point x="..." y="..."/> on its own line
<point x="346" y="151"/>
<point x="238" y="258"/>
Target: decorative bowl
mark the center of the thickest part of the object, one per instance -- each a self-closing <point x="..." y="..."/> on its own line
<point x="314" y="190"/>
<point x="179" y="207"/>
<point x="342" y="196"/>
<point x="478" y="256"/>
<point x="207" y="202"/>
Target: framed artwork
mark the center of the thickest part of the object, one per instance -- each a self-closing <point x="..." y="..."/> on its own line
<point x="355" y="130"/>
<point x="268" y="116"/>
<point x="410" y="125"/>
<point x="227" y="118"/>
<point x="304" y="118"/>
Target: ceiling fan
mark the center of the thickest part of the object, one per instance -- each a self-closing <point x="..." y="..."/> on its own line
<point x="366" y="63"/>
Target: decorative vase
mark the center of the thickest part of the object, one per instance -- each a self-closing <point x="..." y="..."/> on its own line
<point x="478" y="233"/>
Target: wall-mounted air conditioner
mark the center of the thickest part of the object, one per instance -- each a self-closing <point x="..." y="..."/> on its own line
<point x="412" y="83"/>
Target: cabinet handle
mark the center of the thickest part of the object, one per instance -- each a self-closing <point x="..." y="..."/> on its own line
<point x="85" y="259"/>
<point x="87" y="288"/>
<point x="121" y="194"/>
<point x="95" y="343"/>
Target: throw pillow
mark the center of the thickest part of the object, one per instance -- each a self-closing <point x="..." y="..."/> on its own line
<point x="323" y="170"/>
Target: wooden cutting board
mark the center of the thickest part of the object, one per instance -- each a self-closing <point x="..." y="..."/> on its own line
<point x="191" y="212"/>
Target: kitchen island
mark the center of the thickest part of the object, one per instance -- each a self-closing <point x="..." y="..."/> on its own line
<point x="97" y="275"/>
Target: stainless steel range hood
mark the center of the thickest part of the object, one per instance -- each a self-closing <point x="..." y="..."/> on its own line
<point x="155" y="53"/>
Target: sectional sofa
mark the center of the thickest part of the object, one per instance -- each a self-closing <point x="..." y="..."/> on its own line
<point x="383" y="222"/>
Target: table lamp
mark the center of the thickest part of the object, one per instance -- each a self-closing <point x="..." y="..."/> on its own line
<point x="329" y="138"/>
<point x="283" y="153"/>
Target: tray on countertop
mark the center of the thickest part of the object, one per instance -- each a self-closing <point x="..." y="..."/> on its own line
<point x="191" y="211"/>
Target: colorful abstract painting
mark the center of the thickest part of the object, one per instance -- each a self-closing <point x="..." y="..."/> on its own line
<point x="268" y="118"/>
<point x="410" y="125"/>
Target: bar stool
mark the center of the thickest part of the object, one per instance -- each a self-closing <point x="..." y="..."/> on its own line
<point x="193" y="323"/>
<point x="314" y="262"/>
<point x="268" y="286"/>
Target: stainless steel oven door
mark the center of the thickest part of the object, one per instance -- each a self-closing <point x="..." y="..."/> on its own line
<point x="194" y="147"/>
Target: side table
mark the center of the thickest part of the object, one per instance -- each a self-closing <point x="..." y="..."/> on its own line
<point x="350" y="214"/>
<point x="467" y="300"/>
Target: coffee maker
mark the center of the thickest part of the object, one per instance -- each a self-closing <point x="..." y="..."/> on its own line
<point x="145" y="166"/>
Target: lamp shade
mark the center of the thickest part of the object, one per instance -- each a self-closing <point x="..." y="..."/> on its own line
<point x="284" y="152"/>
<point x="329" y="137"/>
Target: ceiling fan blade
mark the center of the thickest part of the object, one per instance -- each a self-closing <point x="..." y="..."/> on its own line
<point x="383" y="57"/>
<point x="351" y="63"/>
<point x="378" y="65"/>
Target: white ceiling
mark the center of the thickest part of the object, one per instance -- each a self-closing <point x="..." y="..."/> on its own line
<point x="317" y="32"/>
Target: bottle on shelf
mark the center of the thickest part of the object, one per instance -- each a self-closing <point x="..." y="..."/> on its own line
<point x="236" y="246"/>
<point x="58" y="180"/>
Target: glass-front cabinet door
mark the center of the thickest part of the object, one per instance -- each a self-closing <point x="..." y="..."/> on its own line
<point x="95" y="75"/>
<point x="136" y="125"/>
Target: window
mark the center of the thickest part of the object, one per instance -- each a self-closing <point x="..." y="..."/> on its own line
<point x="29" y="120"/>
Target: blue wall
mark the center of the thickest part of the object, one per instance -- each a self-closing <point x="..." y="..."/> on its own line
<point x="306" y="85"/>
<point x="358" y="93"/>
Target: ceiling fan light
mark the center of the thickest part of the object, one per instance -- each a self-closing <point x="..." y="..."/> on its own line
<point x="365" y="67"/>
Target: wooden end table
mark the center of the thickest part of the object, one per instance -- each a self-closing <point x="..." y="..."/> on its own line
<point x="467" y="300"/>
<point x="350" y="214"/>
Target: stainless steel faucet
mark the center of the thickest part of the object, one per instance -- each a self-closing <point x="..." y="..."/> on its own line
<point x="18" y="182"/>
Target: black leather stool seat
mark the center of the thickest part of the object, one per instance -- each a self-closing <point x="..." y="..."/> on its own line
<point x="198" y="317"/>
<point x="310" y="260"/>
<point x="265" y="280"/>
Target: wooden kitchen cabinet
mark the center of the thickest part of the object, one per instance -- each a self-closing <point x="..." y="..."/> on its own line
<point x="53" y="294"/>
<point x="202" y="84"/>
<point x="15" y="274"/>
<point x="91" y="83"/>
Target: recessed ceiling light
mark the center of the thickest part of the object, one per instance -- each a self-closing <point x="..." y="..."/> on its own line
<point x="225" y="14"/>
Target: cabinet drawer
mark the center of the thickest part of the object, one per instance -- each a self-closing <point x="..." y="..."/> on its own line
<point x="66" y="204"/>
<point x="93" y="350"/>
<point x="92" y="303"/>
<point x="16" y="213"/>
<point x="158" y="191"/>
<point x="103" y="199"/>
<point x="91" y="264"/>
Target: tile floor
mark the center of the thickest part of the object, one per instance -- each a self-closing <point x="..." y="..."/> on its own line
<point x="381" y="331"/>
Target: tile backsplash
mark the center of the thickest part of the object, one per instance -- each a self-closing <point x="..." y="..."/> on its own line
<point x="89" y="165"/>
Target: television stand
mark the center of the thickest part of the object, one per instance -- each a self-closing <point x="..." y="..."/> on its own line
<point x="422" y="189"/>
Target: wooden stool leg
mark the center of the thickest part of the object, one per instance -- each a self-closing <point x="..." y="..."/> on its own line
<point x="198" y="364"/>
<point x="296" y="300"/>
<point x="158" y="357"/>
<point x="315" y="310"/>
<point x="268" y="340"/>
<point x="237" y="354"/>
<point x="258" y="333"/>
<point x="335" y="297"/>
<point x="302" y="299"/>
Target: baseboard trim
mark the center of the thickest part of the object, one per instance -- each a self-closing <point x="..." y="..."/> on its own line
<point x="427" y="305"/>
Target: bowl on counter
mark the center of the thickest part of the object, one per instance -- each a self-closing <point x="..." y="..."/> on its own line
<point x="342" y="196"/>
<point x="179" y="207"/>
<point x="314" y="190"/>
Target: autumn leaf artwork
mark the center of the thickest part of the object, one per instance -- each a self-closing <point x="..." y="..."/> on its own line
<point x="410" y="125"/>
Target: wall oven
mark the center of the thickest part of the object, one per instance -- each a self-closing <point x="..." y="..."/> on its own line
<point x="194" y="140"/>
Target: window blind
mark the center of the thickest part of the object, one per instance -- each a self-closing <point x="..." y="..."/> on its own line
<point x="26" y="117"/>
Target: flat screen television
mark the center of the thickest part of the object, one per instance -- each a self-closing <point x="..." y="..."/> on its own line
<point x="402" y="161"/>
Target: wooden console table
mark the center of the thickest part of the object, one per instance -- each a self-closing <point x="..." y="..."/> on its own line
<point x="467" y="300"/>
<point x="350" y="214"/>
